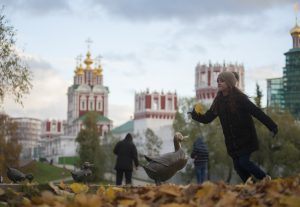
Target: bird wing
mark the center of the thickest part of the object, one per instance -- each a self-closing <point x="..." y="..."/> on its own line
<point x="155" y="159"/>
<point x="14" y="174"/>
<point x="165" y="159"/>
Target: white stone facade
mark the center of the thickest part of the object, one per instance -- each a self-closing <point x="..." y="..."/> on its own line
<point x="61" y="146"/>
<point x="28" y="133"/>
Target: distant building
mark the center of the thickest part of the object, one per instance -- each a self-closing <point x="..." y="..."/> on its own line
<point x="28" y="133"/>
<point x="52" y="128"/>
<point x="85" y="95"/>
<point x="291" y="75"/>
<point x="206" y="86"/>
<point x="155" y="111"/>
<point x="275" y="96"/>
<point x="60" y="149"/>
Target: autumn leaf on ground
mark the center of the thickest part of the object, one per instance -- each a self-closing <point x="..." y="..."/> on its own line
<point x="170" y="190"/>
<point x="62" y="185"/>
<point x="277" y="192"/>
<point x="174" y="205"/>
<point x="79" y="188"/>
<point x="111" y="192"/>
<point x="59" y="191"/>
<point x="126" y="202"/>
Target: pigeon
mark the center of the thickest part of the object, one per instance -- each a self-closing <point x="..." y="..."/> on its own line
<point x="83" y="174"/>
<point x="17" y="176"/>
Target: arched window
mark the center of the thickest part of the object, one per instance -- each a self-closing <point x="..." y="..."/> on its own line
<point x="170" y="105"/>
<point x="82" y="105"/>
<point x="155" y="104"/>
<point x="91" y="105"/>
<point x="99" y="104"/>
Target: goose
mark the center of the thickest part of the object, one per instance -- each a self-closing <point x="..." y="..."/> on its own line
<point x="163" y="167"/>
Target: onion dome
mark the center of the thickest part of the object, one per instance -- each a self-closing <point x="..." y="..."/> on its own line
<point x="88" y="61"/>
<point x="79" y="70"/>
<point x="98" y="71"/>
<point x="295" y="30"/>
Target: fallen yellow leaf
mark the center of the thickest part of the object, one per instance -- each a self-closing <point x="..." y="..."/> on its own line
<point x="79" y="188"/>
<point x="126" y="202"/>
<point x="174" y="205"/>
<point x="171" y="190"/>
<point x="62" y="185"/>
<point x="110" y="194"/>
<point x="290" y="201"/>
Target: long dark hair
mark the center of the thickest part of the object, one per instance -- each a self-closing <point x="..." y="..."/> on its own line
<point x="234" y="96"/>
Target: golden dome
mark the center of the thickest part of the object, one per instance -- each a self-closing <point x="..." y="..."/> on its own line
<point x="79" y="70"/>
<point x="295" y="29"/>
<point x="88" y="61"/>
<point x="98" y="71"/>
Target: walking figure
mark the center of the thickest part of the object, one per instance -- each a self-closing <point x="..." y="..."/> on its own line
<point x="200" y="156"/>
<point x="126" y="154"/>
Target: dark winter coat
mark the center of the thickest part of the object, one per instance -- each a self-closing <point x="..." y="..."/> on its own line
<point x="126" y="154"/>
<point x="238" y="126"/>
<point x="199" y="152"/>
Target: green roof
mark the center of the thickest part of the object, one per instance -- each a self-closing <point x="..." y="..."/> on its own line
<point x="99" y="118"/>
<point x="74" y="86"/>
<point x="124" y="128"/>
<point x="293" y="50"/>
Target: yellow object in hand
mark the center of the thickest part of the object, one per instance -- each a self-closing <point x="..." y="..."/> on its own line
<point x="199" y="108"/>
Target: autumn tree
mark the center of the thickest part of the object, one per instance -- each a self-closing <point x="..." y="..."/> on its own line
<point x="108" y="146"/>
<point x="279" y="155"/>
<point x="9" y="148"/>
<point x="89" y="145"/>
<point x="15" y="76"/>
<point x="153" y="143"/>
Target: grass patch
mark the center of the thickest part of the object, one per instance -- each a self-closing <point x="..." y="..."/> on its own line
<point x="44" y="172"/>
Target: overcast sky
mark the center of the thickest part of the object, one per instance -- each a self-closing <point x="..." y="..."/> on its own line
<point x="153" y="44"/>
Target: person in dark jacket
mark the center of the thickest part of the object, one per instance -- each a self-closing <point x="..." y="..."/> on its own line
<point x="126" y="154"/>
<point x="235" y="112"/>
<point x="200" y="156"/>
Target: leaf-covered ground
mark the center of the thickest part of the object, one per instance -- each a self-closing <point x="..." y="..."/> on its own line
<point x="278" y="192"/>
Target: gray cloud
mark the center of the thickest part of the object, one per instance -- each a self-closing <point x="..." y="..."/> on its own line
<point x="185" y="10"/>
<point x="141" y="10"/>
<point x="36" y="7"/>
<point x="47" y="96"/>
<point x="125" y="64"/>
<point x="37" y="64"/>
